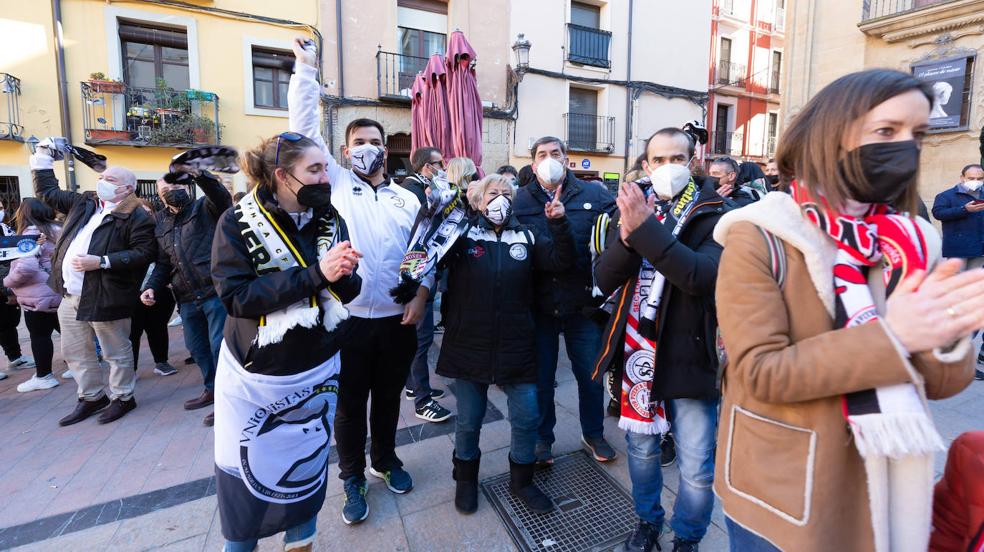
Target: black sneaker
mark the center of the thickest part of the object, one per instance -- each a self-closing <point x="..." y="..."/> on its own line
<point x="979" y="374"/>
<point x="599" y="448"/>
<point x="667" y="450"/>
<point x="644" y="538"/>
<point x="680" y="545"/>
<point x="432" y="411"/>
<point x="410" y="395"/>
<point x="165" y="369"/>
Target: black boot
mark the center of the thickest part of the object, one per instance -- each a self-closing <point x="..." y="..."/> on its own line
<point x="521" y="485"/>
<point x="465" y="473"/>
<point x="83" y="410"/>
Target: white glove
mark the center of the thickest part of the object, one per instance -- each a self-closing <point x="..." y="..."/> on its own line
<point x="41" y="160"/>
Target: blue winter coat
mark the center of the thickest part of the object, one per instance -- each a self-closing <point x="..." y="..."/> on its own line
<point x="963" y="232"/>
<point x="561" y="293"/>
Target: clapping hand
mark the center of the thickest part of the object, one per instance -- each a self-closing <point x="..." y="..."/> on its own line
<point x="340" y="261"/>
<point x="935" y="310"/>
<point x="555" y="208"/>
<point x="633" y="208"/>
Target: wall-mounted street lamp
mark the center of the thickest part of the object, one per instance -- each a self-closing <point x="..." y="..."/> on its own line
<point x="521" y="49"/>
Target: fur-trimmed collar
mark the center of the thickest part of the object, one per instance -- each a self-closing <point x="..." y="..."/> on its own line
<point x="779" y="214"/>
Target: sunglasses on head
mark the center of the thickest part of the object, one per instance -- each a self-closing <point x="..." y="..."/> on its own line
<point x="290" y="137"/>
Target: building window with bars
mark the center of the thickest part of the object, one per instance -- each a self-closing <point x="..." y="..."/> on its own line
<point x="10" y="196"/>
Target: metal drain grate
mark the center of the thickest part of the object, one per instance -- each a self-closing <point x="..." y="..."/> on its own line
<point x="593" y="511"/>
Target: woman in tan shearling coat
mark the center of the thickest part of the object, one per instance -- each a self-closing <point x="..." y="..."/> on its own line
<point x="825" y="440"/>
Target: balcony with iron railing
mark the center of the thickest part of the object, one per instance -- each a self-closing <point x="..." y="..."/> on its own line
<point x="874" y="9"/>
<point x="725" y="143"/>
<point x="731" y="74"/>
<point x="10" y="127"/>
<point x="591" y="133"/>
<point x="588" y="46"/>
<point x="395" y="74"/>
<point x="117" y="114"/>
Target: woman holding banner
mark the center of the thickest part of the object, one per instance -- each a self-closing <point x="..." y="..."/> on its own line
<point x="28" y="279"/>
<point x="283" y="267"/>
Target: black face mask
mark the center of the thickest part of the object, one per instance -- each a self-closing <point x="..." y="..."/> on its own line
<point x="772" y="178"/>
<point x="889" y="167"/>
<point x="177" y="198"/>
<point x="315" y="196"/>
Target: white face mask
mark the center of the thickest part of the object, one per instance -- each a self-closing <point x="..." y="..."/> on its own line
<point x="669" y="180"/>
<point x="106" y="190"/>
<point x="498" y="210"/>
<point x="972" y="185"/>
<point x="366" y="159"/>
<point x="550" y="170"/>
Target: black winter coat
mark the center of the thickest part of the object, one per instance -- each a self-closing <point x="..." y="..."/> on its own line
<point x="565" y="292"/>
<point x="126" y="237"/>
<point x="488" y="336"/>
<point x="185" y="243"/>
<point x="247" y="296"/>
<point x="686" y="359"/>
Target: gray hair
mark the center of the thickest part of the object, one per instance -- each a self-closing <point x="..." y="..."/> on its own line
<point x="476" y="191"/>
<point x="547" y="140"/>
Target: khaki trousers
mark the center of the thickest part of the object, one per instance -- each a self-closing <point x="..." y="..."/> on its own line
<point x="79" y="351"/>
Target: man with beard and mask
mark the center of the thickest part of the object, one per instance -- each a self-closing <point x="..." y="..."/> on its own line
<point x="961" y="210"/>
<point x="380" y="335"/>
<point x="185" y="230"/>
<point x="661" y="264"/>
<point x="101" y="257"/>
<point x="427" y="164"/>
<point x="563" y="298"/>
<point x="725" y="170"/>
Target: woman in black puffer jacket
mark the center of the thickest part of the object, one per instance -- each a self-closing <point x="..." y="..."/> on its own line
<point x="489" y="330"/>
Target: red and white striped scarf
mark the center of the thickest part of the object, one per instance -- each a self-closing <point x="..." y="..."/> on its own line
<point x="639" y="413"/>
<point x="888" y="421"/>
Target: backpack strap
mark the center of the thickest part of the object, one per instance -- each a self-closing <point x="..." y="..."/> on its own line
<point x="777" y="262"/>
<point x="777" y="256"/>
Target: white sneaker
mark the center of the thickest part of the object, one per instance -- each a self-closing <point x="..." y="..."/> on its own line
<point x="3" y="376"/>
<point x="37" y="384"/>
<point x="175" y="322"/>
<point x="67" y="374"/>
<point x="21" y="363"/>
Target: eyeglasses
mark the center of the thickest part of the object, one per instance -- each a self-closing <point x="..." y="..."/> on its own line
<point x="290" y="137"/>
<point x="438" y="164"/>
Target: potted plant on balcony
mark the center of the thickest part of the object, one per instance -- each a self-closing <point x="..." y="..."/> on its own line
<point x="102" y="85"/>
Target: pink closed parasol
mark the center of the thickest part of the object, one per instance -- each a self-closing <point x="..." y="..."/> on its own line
<point x="434" y="107"/>
<point x="417" y="112"/>
<point x="463" y="102"/>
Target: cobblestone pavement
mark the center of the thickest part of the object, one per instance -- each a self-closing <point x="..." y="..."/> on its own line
<point x="145" y="482"/>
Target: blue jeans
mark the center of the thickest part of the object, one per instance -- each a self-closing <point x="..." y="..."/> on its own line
<point x="523" y="417"/>
<point x="203" y="323"/>
<point x="296" y="533"/>
<point x="694" y="430"/>
<point x="582" y="338"/>
<point x="743" y="540"/>
<point x="418" y="380"/>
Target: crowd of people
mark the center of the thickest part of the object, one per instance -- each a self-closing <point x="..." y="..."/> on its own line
<point x="776" y="332"/>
